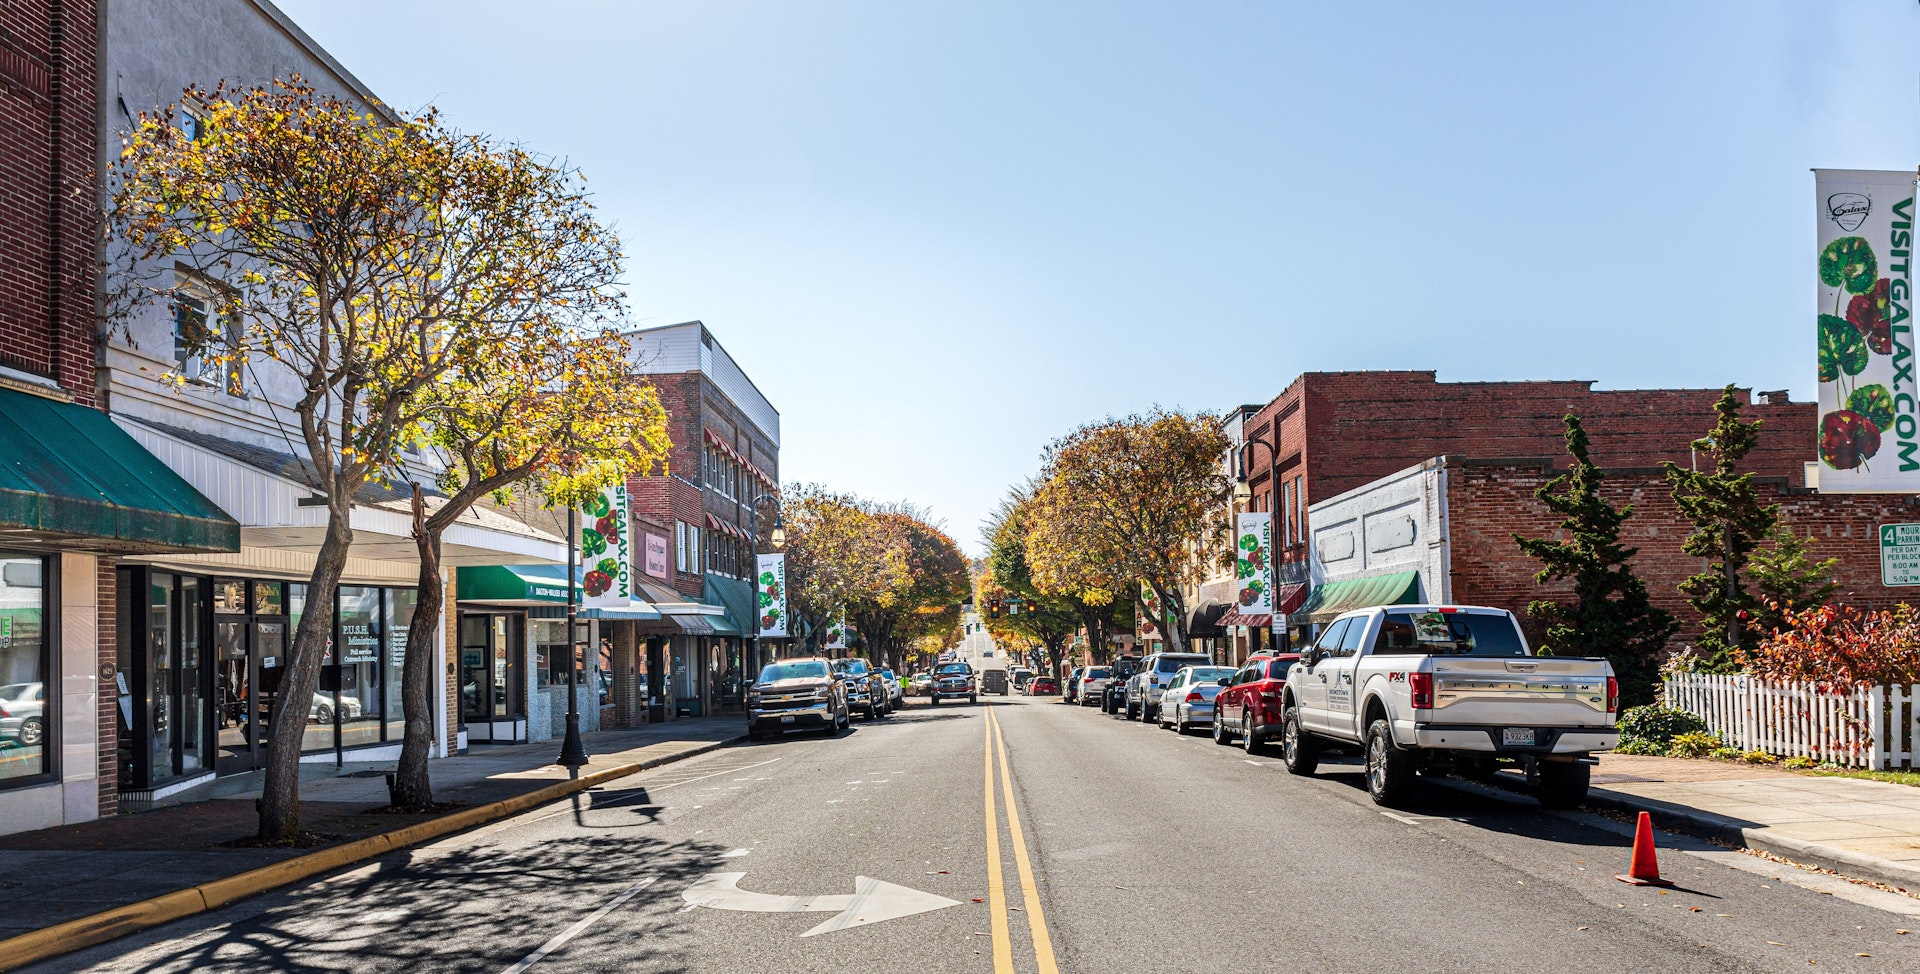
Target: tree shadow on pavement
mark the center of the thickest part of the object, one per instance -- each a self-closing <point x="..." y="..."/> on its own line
<point x="478" y="908"/>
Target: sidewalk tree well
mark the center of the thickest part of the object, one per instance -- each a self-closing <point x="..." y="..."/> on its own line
<point x="1610" y="613"/>
<point x="553" y="406"/>
<point x="1125" y="502"/>
<point x="1729" y="522"/>
<point x="366" y="254"/>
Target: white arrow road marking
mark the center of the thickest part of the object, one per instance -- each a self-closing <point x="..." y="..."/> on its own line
<point x="872" y="901"/>
<point x="560" y="939"/>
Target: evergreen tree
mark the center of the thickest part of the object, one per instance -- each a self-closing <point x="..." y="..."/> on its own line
<point x="1785" y="576"/>
<point x="1610" y="614"/>
<point x="1729" y="523"/>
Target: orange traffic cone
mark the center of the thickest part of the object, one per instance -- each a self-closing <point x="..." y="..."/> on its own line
<point x="1645" y="870"/>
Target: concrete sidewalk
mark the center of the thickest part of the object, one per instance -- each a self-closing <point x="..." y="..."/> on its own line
<point x="1854" y="826"/>
<point x="61" y="874"/>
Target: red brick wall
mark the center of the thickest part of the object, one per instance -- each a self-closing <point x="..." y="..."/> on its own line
<point x="1488" y="501"/>
<point x="47" y="217"/>
<point x="107" y="758"/>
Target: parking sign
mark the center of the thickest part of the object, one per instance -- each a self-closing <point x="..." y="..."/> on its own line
<point x="1899" y="554"/>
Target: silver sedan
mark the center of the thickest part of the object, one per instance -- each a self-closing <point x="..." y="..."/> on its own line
<point x="1187" y="701"/>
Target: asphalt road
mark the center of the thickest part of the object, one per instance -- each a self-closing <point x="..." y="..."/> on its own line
<point x="1135" y="850"/>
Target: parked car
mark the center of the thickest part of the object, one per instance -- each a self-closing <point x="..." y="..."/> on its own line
<point x="1146" y="685"/>
<point x="896" y="694"/>
<point x="1448" y="688"/>
<point x="797" y="694"/>
<point x="1115" y="698"/>
<point x="918" y="684"/>
<point x="1093" y="685"/>
<point x="1187" y="702"/>
<point x="23" y="709"/>
<point x="320" y="708"/>
<point x="1019" y="675"/>
<point x="866" y="693"/>
<point x="1042" y="686"/>
<point x="993" y="681"/>
<point x="1249" y="705"/>
<point x="1072" y="686"/>
<point x="952" y="681"/>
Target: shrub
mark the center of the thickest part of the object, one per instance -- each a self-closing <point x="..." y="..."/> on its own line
<point x="1640" y="745"/>
<point x="1840" y="647"/>
<point x="1656" y="724"/>
<point x="1758" y="757"/>
<point x="1801" y="761"/>
<point x="1693" y="744"/>
<point x="1725" y="753"/>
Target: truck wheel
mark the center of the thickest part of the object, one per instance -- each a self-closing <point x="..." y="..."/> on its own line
<point x="1389" y="769"/>
<point x="1253" y="746"/>
<point x="1563" y="785"/>
<point x="1298" y="750"/>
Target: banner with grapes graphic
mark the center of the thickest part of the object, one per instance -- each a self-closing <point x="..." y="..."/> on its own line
<point x="1253" y="568"/>
<point x="607" y="581"/>
<point x="1869" y="436"/>
<point x="770" y="592"/>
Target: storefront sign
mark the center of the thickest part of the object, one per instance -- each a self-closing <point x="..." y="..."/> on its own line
<point x="1253" y="565"/>
<point x="397" y="647"/>
<point x="362" y="645"/>
<point x="604" y="551"/>
<point x="656" y="551"/>
<point x="770" y="588"/>
<point x="1869" y="418"/>
<point x="1145" y="624"/>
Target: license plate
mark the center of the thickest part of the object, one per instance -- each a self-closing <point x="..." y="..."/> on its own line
<point x="789" y="720"/>
<point x="1511" y="736"/>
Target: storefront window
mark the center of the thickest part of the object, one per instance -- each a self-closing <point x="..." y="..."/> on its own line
<point x="361" y="703"/>
<point x="550" y="652"/>
<point x="401" y="603"/>
<point x="24" y="667"/>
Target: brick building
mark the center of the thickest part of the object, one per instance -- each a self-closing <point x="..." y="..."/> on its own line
<point x="1342" y="430"/>
<point x="726" y="454"/>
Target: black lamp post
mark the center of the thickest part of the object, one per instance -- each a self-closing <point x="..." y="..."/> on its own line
<point x="573" y="754"/>
<point x="779" y="539"/>
<point x="1243" y="492"/>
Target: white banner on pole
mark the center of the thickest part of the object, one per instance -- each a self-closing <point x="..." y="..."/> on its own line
<point x="770" y="595"/>
<point x="605" y="553"/>
<point x="1869" y="436"/>
<point x="1253" y="562"/>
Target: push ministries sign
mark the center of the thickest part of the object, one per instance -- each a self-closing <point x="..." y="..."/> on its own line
<point x="1869" y="415"/>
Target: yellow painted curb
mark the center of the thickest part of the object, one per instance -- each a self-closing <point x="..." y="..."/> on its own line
<point x="72" y="935"/>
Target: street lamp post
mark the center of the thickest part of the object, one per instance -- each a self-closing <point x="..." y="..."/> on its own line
<point x="1243" y="492"/>
<point x="779" y="539"/>
<point x="573" y="754"/>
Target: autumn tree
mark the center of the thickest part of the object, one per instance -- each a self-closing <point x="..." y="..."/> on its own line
<point x="1130" y="499"/>
<point x="838" y="555"/>
<point x="1610" y="613"/>
<point x="368" y="256"/>
<point x="552" y="405"/>
<point x="1045" y="619"/>
<point x="1729" y="522"/>
<point x="925" y="599"/>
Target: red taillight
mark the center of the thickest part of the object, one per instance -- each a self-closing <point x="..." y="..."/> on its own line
<point x="1195" y="697"/>
<point x="1613" y="695"/>
<point x="1422" y="686"/>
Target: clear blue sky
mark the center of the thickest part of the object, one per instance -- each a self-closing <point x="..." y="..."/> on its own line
<point x="940" y="234"/>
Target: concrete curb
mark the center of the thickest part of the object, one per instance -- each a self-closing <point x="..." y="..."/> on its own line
<point x="1681" y="818"/>
<point x="87" y="931"/>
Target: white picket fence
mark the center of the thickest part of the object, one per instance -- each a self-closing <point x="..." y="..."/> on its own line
<point x="1868" y="727"/>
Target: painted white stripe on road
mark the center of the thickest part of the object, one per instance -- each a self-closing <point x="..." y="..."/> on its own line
<point x="560" y="939"/>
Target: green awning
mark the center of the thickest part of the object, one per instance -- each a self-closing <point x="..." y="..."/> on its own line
<point x="734" y="595"/>
<point x="1333" y="598"/>
<point x="69" y="472"/>
<point x="513" y="584"/>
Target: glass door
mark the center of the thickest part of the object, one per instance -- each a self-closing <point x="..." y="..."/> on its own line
<point x="476" y="650"/>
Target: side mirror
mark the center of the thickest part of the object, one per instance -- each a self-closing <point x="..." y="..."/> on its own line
<point x="1225" y="681"/>
<point x="1311" y="657"/>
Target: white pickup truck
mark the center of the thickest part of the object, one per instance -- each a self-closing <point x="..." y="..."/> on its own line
<point x="1443" y="688"/>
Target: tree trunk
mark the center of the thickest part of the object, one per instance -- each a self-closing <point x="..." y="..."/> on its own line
<point x="280" y="798"/>
<point x="411" y="785"/>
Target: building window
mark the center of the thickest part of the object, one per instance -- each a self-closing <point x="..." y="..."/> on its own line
<point x="687" y="547"/>
<point x="205" y="344"/>
<point x="25" y="664"/>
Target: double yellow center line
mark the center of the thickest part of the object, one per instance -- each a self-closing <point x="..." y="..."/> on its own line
<point x="996" y="874"/>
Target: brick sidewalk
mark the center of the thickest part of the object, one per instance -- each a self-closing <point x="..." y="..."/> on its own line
<point x="1873" y="826"/>
<point x="60" y="874"/>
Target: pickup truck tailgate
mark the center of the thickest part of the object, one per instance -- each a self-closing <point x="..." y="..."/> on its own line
<point x="1524" y="692"/>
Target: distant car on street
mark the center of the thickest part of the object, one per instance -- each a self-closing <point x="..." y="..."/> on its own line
<point x="1042" y="686"/>
<point x="993" y="681"/>
<point x="1187" y="702"/>
<point x="896" y="694"/>
<point x="797" y="694"/>
<point x="1071" y="687"/>
<point x="1145" y="687"/>
<point x="1115" y="698"/>
<point x="918" y="684"/>
<point x="1093" y="685"/>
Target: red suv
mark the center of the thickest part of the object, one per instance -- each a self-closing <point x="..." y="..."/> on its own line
<point x="1249" y="706"/>
<point x="1042" y="686"/>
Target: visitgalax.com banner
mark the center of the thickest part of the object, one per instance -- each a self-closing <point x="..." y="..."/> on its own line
<point x="770" y="594"/>
<point x="1869" y="417"/>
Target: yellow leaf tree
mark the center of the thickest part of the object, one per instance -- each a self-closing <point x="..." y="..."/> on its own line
<point x="838" y="555"/>
<point x="367" y="254"/>
<point x="924" y="600"/>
